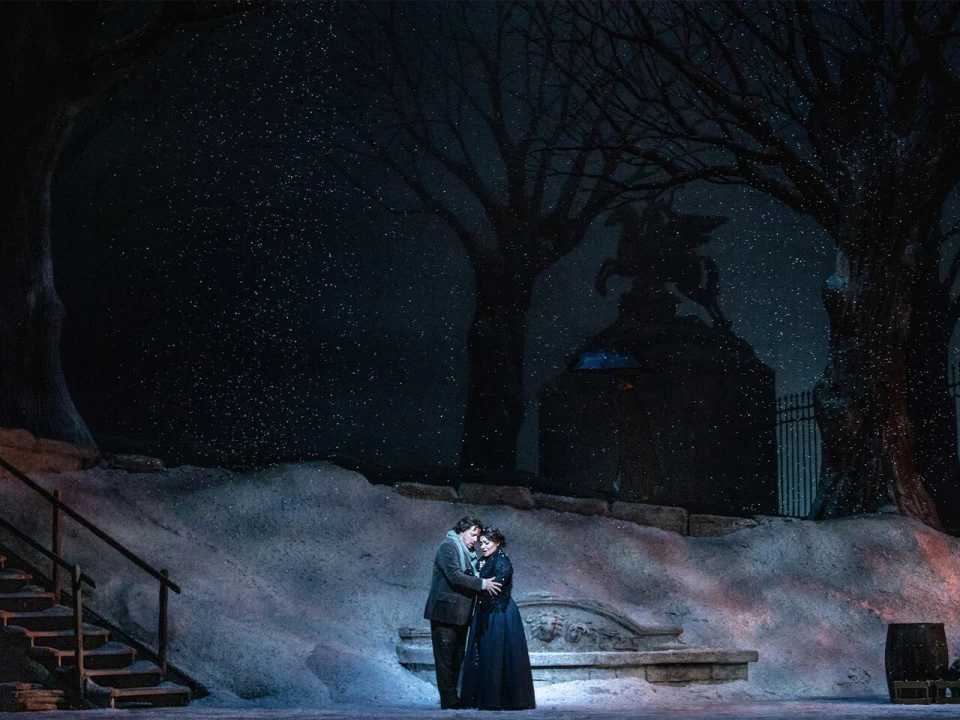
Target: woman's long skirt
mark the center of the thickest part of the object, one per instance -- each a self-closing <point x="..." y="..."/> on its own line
<point x="496" y="668"/>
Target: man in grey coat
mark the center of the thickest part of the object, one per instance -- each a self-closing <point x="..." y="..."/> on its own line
<point x="453" y="591"/>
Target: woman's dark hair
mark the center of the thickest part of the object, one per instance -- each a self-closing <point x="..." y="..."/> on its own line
<point x="467" y="523"/>
<point x="495" y="535"/>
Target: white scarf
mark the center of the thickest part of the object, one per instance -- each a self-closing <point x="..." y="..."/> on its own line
<point x="468" y="558"/>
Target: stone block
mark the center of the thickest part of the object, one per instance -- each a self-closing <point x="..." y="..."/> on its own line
<point x="476" y="494"/>
<point x="579" y="506"/>
<point x="715" y="525"/>
<point x="555" y="675"/>
<point x="678" y="673"/>
<point x="133" y="463"/>
<point x="419" y="491"/>
<point x="727" y="673"/>
<point x="663" y="517"/>
<point x="80" y="453"/>
<point x="40" y="455"/>
<point x="415" y="654"/>
<point x="22" y="460"/>
<point x="17" y="438"/>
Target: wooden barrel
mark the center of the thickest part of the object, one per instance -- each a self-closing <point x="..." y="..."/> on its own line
<point x="915" y="651"/>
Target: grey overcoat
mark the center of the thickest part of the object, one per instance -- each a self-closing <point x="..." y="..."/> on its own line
<point x="452" y="590"/>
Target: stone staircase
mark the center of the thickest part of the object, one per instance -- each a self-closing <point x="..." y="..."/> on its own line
<point x="32" y="622"/>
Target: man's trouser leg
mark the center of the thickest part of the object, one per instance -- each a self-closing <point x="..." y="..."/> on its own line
<point x="449" y="643"/>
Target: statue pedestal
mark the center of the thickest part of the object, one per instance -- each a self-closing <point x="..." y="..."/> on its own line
<point x="698" y="432"/>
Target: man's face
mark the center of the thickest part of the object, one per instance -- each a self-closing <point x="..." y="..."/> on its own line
<point x="469" y="537"/>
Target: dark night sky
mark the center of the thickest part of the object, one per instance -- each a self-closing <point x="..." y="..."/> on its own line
<point x="223" y="286"/>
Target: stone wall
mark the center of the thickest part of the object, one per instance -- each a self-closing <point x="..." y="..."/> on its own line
<point x="31" y="454"/>
<point x="672" y="519"/>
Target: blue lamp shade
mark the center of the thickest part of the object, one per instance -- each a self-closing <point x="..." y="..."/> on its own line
<point x="607" y="359"/>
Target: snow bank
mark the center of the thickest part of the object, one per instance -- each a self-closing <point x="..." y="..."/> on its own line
<point x="296" y="578"/>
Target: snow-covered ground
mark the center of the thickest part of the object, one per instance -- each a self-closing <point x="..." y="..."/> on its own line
<point x="296" y="578"/>
<point x="705" y="710"/>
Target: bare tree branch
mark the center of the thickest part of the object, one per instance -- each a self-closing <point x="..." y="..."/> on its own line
<point x="108" y="64"/>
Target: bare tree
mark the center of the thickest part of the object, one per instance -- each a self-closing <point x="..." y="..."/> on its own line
<point x="848" y="113"/>
<point x="458" y="103"/>
<point x="56" y="58"/>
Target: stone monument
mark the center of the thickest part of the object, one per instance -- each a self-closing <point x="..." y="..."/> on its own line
<point x="659" y="407"/>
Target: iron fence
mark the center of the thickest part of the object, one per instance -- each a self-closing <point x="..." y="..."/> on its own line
<point x="799" y="449"/>
<point x="798" y="457"/>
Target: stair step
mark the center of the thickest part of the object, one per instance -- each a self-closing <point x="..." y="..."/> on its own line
<point x="26" y="601"/>
<point x="12" y="580"/>
<point x="57" y="617"/>
<point x="20" y="697"/>
<point x="140" y="673"/>
<point x="166" y="694"/>
<point x="111" y="655"/>
<point x="94" y="636"/>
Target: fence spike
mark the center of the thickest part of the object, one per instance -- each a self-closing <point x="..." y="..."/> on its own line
<point x="799" y="451"/>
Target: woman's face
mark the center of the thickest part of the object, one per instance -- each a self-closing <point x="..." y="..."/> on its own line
<point x="487" y="546"/>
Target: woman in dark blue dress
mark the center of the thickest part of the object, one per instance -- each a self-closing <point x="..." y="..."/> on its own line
<point x="496" y="668"/>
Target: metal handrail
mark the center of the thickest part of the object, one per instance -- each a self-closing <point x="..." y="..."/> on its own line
<point x="78" y="578"/>
<point x="160" y="577"/>
<point x="42" y="550"/>
<point x="92" y="616"/>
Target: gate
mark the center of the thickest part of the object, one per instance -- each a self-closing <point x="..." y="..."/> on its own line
<point x="799" y="449"/>
<point x="798" y="456"/>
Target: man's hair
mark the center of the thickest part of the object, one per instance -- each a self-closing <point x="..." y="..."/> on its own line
<point x="466" y="523"/>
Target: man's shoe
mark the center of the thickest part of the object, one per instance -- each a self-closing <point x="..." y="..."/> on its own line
<point x="451" y="705"/>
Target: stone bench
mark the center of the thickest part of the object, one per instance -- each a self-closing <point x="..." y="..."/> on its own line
<point x="573" y="639"/>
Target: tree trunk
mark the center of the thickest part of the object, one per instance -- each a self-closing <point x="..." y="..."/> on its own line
<point x="495" y="403"/>
<point x="33" y="391"/>
<point x="890" y="197"/>
<point x="48" y="69"/>
<point x="861" y="400"/>
<point x="932" y="408"/>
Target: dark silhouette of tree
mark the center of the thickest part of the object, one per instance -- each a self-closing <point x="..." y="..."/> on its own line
<point x="458" y="104"/>
<point x="848" y="113"/>
<point x="56" y="58"/>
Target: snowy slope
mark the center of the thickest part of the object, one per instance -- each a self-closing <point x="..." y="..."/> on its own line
<point x="297" y="577"/>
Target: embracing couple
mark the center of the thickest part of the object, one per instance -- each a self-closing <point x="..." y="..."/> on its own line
<point x="475" y="624"/>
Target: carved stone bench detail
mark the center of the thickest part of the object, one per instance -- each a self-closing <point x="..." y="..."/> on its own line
<point x="571" y="639"/>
